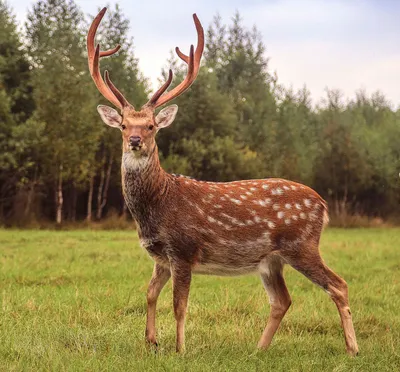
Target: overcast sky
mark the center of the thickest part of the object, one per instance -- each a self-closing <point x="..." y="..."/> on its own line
<point x="340" y="44"/>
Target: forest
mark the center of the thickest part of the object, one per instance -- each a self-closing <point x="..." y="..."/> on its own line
<point x="237" y="121"/>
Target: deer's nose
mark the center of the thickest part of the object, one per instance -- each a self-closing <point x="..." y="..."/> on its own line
<point x="134" y="140"/>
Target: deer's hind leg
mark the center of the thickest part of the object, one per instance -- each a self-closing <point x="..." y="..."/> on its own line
<point x="307" y="260"/>
<point x="279" y="298"/>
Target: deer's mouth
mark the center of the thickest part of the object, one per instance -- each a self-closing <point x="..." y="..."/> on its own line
<point x="135" y="148"/>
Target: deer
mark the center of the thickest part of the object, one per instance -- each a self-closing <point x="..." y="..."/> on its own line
<point x="189" y="226"/>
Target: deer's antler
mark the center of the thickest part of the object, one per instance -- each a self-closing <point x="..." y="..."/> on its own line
<point x="107" y="89"/>
<point x="193" y="62"/>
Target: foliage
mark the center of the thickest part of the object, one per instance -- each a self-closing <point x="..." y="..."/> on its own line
<point x="236" y="122"/>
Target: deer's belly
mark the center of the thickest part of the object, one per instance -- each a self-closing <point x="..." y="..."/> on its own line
<point x="224" y="269"/>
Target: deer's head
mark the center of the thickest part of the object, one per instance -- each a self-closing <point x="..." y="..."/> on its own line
<point x="140" y="127"/>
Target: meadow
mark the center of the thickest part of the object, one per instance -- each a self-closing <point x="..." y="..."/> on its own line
<point x="75" y="300"/>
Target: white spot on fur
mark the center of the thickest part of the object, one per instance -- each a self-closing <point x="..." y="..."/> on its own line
<point x="252" y="189"/>
<point x="233" y="219"/>
<point x="280" y="214"/>
<point x="293" y="187"/>
<point x="211" y="219"/>
<point x="249" y="222"/>
<point x="307" y="203"/>
<point x="295" y="218"/>
<point x="275" y="207"/>
<point x="271" y="225"/>
<point x="265" y="186"/>
<point x="248" y="193"/>
<point x="277" y="191"/>
<point x="236" y="201"/>
<point x="199" y="209"/>
<point x="244" y="197"/>
<point x="303" y="216"/>
<point x="218" y="206"/>
<point x="286" y="187"/>
<point x="257" y="219"/>
<point x="298" y="206"/>
<point x="288" y="206"/>
<point x="287" y="221"/>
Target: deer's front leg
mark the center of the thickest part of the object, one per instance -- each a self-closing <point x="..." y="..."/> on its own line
<point x="181" y="278"/>
<point x="158" y="280"/>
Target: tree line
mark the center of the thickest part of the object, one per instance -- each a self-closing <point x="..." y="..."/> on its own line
<point x="58" y="162"/>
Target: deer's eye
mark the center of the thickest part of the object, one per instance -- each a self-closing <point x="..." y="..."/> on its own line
<point x="123" y="126"/>
<point x="151" y="126"/>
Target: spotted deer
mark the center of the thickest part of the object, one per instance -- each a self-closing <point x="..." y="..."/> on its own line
<point x="222" y="228"/>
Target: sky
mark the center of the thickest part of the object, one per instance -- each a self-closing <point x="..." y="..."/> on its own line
<point x="337" y="44"/>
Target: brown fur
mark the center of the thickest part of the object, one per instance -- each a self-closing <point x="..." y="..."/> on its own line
<point x="189" y="226"/>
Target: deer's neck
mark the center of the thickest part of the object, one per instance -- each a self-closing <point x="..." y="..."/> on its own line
<point x="145" y="184"/>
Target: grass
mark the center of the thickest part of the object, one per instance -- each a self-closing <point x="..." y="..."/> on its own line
<point x="75" y="300"/>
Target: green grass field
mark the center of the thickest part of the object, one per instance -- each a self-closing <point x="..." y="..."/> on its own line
<point x="75" y="300"/>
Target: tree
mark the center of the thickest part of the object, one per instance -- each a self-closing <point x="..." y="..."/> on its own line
<point x="202" y="142"/>
<point x="237" y="56"/>
<point x="16" y="107"/>
<point x="55" y="38"/>
<point x="297" y="129"/>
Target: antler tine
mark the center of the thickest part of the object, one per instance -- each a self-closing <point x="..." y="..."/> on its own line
<point x="110" y="52"/>
<point x="115" y="90"/>
<point x="161" y="90"/>
<point x="200" y="42"/>
<point x="193" y="62"/>
<point x="94" y="55"/>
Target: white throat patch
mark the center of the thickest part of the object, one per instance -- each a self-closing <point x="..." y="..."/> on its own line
<point x="132" y="162"/>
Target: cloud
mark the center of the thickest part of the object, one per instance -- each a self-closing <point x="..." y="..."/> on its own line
<point x="335" y="44"/>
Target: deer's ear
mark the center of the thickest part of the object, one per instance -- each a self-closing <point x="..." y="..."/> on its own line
<point x="110" y="116"/>
<point x="166" y="116"/>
